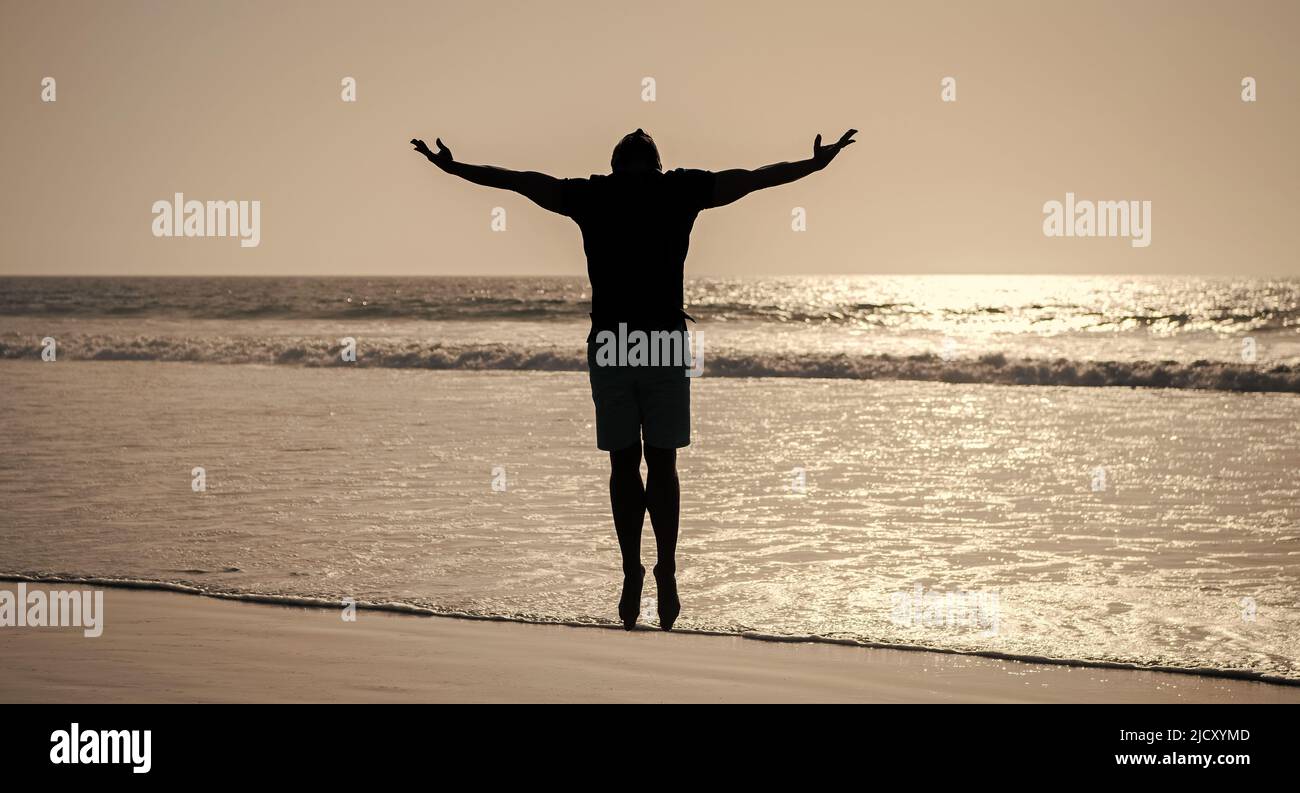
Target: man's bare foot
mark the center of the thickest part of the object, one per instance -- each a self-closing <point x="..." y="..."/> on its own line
<point x="629" y="604"/>
<point x="670" y="606"/>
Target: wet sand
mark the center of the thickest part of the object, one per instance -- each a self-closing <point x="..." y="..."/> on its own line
<point x="168" y="647"/>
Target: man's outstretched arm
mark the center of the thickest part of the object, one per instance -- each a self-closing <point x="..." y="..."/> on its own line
<point x="541" y="189"/>
<point x="737" y="183"/>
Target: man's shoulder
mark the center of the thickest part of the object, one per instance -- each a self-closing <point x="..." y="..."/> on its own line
<point x="582" y="184"/>
<point x="599" y="179"/>
<point x="693" y="187"/>
<point x="577" y="193"/>
<point x="688" y="173"/>
<point x="690" y="180"/>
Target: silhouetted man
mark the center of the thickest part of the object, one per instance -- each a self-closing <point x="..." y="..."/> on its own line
<point x="636" y="226"/>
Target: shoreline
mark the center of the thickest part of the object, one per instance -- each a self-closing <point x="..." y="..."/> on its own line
<point x="407" y="609"/>
<point x="394" y="607"/>
<point x="160" y="647"/>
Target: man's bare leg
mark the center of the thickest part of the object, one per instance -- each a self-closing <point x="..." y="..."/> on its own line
<point x="663" y="500"/>
<point x="627" y="498"/>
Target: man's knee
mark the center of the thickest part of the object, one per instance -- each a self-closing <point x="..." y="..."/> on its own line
<point x="660" y="460"/>
<point x="623" y="461"/>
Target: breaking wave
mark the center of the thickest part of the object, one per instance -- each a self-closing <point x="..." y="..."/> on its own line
<point x="409" y="353"/>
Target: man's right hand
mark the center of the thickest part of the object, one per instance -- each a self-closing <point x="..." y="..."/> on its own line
<point x="442" y="158"/>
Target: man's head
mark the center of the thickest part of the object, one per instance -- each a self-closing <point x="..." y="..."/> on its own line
<point x="636" y="153"/>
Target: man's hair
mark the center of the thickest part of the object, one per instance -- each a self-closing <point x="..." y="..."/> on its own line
<point x="635" y="147"/>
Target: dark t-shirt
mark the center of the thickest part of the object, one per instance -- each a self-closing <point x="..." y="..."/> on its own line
<point x="635" y="230"/>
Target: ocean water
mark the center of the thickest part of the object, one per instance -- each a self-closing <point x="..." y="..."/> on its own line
<point x="905" y="461"/>
<point x="1223" y="334"/>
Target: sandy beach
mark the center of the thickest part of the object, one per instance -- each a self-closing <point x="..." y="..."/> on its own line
<point x="168" y="647"/>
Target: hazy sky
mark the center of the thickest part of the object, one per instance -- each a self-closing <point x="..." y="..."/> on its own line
<point x="235" y="100"/>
